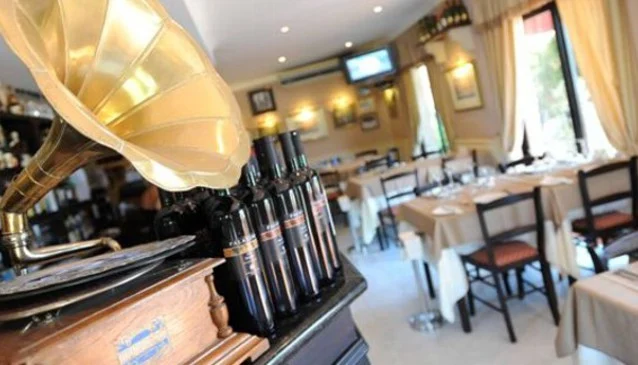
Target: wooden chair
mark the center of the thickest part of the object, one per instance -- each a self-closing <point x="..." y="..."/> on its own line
<point x="372" y="152"/>
<point x="330" y="181"/>
<point x="387" y="217"/>
<point x="375" y="164"/>
<point x="527" y="160"/>
<point x="503" y="252"/>
<point x="607" y="225"/>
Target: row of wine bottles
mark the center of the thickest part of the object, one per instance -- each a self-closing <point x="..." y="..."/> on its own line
<point x="274" y="228"/>
<point x="454" y="14"/>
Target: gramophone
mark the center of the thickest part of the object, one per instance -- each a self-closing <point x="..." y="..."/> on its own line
<point x="123" y="78"/>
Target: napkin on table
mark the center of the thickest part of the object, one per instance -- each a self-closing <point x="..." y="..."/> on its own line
<point x="549" y="180"/>
<point x="447" y="210"/>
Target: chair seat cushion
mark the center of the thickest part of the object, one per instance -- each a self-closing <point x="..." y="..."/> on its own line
<point x="604" y="221"/>
<point x="506" y="253"/>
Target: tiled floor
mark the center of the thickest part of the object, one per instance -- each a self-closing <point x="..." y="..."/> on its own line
<point x="382" y="312"/>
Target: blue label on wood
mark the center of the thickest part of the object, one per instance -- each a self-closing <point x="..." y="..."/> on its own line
<point x="144" y="346"/>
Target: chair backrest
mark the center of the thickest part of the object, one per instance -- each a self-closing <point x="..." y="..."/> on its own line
<point x="426" y="154"/>
<point x="493" y="240"/>
<point x="330" y="179"/>
<point x="376" y="163"/>
<point x="372" y="152"/>
<point x="527" y="160"/>
<point x="390" y="183"/>
<point x="393" y="155"/>
<point x="630" y="193"/>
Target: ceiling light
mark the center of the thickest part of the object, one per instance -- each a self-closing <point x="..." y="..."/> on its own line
<point x="282" y="59"/>
<point x="377" y="9"/>
<point x="348" y="44"/>
<point x="285" y="29"/>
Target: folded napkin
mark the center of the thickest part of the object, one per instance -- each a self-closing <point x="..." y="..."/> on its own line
<point x="447" y="210"/>
<point x="488" y="197"/>
<point x="549" y="180"/>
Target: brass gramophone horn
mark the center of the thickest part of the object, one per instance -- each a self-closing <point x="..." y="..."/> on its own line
<point x="124" y="78"/>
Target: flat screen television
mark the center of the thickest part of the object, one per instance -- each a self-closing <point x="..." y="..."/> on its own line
<point x="368" y="65"/>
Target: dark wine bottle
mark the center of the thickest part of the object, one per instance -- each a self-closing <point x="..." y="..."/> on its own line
<point x="167" y="221"/>
<point x="449" y="13"/>
<point x="320" y="205"/>
<point x="271" y="242"/>
<point x="313" y="211"/>
<point x="289" y="209"/>
<point x="240" y="248"/>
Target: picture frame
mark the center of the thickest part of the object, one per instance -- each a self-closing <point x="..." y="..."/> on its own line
<point x="369" y="122"/>
<point x="311" y="123"/>
<point x="262" y="101"/>
<point x="464" y="87"/>
<point x="367" y="105"/>
<point x="344" y="115"/>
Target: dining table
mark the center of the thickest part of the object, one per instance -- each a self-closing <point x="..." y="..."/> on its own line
<point x="365" y="198"/>
<point x="601" y="313"/>
<point x="448" y="227"/>
<point x="348" y="168"/>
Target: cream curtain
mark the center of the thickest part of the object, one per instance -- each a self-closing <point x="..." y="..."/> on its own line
<point x="442" y="99"/>
<point x="492" y="12"/>
<point x="599" y="34"/>
<point x="412" y="104"/>
<point x="501" y="53"/>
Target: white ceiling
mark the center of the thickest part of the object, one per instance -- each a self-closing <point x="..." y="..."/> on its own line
<point x="244" y="38"/>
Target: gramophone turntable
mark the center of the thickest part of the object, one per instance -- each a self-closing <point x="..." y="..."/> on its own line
<point x="124" y="78"/>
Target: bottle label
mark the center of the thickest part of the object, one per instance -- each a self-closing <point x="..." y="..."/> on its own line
<point x="296" y="229"/>
<point x="272" y="242"/>
<point x="242" y="256"/>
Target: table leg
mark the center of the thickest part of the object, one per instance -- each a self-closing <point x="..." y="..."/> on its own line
<point x="354" y="233"/>
<point x="465" y="316"/>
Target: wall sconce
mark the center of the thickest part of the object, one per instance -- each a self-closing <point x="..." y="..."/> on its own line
<point x="268" y="124"/>
<point x="390" y="98"/>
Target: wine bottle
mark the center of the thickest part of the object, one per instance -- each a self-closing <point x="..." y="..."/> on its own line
<point x="167" y="221"/>
<point x="457" y="12"/>
<point x="465" y="17"/>
<point x="230" y="222"/>
<point x="313" y="211"/>
<point x="449" y="13"/>
<point x="320" y="205"/>
<point x="271" y="242"/>
<point x="289" y="209"/>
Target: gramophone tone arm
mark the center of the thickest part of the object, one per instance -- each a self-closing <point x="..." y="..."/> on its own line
<point x="22" y="255"/>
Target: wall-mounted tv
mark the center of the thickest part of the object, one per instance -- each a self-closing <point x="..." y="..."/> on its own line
<point x="368" y="65"/>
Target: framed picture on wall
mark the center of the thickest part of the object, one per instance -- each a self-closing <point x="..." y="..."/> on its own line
<point x="311" y="123"/>
<point x="262" y="101"/>
<point x="344" y="115"/>
<point x="464" y="87"/>
<point x="369" y="122"/>
<point x="367" y="105"/>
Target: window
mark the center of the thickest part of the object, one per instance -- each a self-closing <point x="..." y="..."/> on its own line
<point x="555" y="105"/>
<point x="430" y="132"/>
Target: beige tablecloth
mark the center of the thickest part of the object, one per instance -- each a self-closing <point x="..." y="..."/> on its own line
<point x="601" y="312"/>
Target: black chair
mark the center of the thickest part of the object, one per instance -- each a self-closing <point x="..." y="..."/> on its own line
<point x="387" y="217"/>
<point x="330" y="181"/>
<point x="372" y="152"/>
<point x="527" y="160"/>
<point x="503" y="252"/>
<point x="426" y="154"/>
<point x="609" y="225"/>
<point x="375" y="164"/>
<point x="394" y="157"/>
